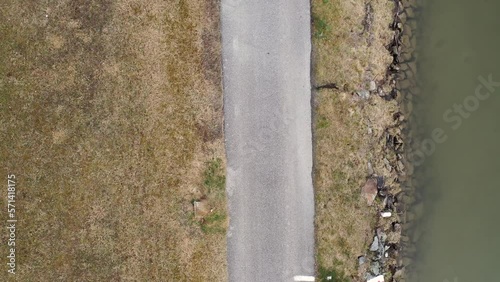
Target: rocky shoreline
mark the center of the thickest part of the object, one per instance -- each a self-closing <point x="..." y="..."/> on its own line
<point x="391" y="191"/>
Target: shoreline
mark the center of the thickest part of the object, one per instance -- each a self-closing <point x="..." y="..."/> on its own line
<point x="382" y="108"/>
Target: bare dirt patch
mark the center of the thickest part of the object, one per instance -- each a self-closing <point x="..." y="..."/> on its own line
<point x="112" y="121"/>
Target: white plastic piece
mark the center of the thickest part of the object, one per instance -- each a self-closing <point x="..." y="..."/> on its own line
<point x="386" y="214"/>
<point x="303" y="278"/>
<point x="379" y="278"/>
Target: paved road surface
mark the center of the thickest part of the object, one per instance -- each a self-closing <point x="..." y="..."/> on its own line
<point x="266" y="62"/>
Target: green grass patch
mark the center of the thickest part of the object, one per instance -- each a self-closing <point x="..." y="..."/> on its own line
<point x="321" y="28"/>
<point x="213" y="223"/>
<point x="215" y="180"/>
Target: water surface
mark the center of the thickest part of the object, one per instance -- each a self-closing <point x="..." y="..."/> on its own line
<point x="461" y="43"/>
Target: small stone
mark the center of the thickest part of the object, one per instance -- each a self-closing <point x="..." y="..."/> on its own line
<point x="201" y="208"/>
<point x="402" y="17"/>
<point x="364" y="94"/>
<point x="407" y="108"/>
<point x="409" y="74"/>
<point x="405" y="57"/>
<point x="361" y="260"/>
<point x="373" y="86"/>
<point x="405" y="40"/>
<point x="410" y="12"/>
<point x="380" y="182"/>
<point x="401" y="166"/>
<point x="375" y="244"/>
<point x="381" y="235"/>
<point x="375" y="268"/>
<point x="399" y="273"/>
<point x="407" y="30"/>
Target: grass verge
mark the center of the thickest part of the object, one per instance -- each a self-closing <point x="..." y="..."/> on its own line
<point x="111" y="120"/>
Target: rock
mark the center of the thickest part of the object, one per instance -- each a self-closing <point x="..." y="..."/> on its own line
<point x="387" y="164"/>
<point x="375" y="268"/>
<point x="380" y="182"/>
<point x="381" y="235"/>
<point x="405" y="41"/>
<point x="383" y="192"/>
<point x="396" y="227"/>
<point x="407" y="30"/>
<point x="410" y="12"/>
<point x="409" y="74"/>
<point x="406" y="57"/>
<point x="403" y="17"/>
<point x="361" y="260"/>
<point x="412" y="24"/>
<point x="407" y="108"/>
<point x="375" y="244"/>
<point x="201" y="208"/>
<point x="400" y="165"/>
<point x="389" y="202"/>
<point x="399" y="273"/>
<point x="369" y="191"/>
<point x="373" y="86"/>
<point x="363" y="94"/>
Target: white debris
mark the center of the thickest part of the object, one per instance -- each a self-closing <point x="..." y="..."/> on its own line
<point x="303" y="278"/>
<point x="386" y="214"/>
<point x="379" y="278"/>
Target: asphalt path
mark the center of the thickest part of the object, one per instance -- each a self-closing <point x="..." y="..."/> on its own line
<point x="267" y="94"/>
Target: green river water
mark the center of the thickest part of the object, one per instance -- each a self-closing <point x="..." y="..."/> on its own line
<point x="459" y="54"/>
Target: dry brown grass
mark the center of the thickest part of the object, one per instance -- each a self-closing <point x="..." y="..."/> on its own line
<point x="349" y="50"/>
<point x="112" y="122"/>
<point x="350" y="42"/>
